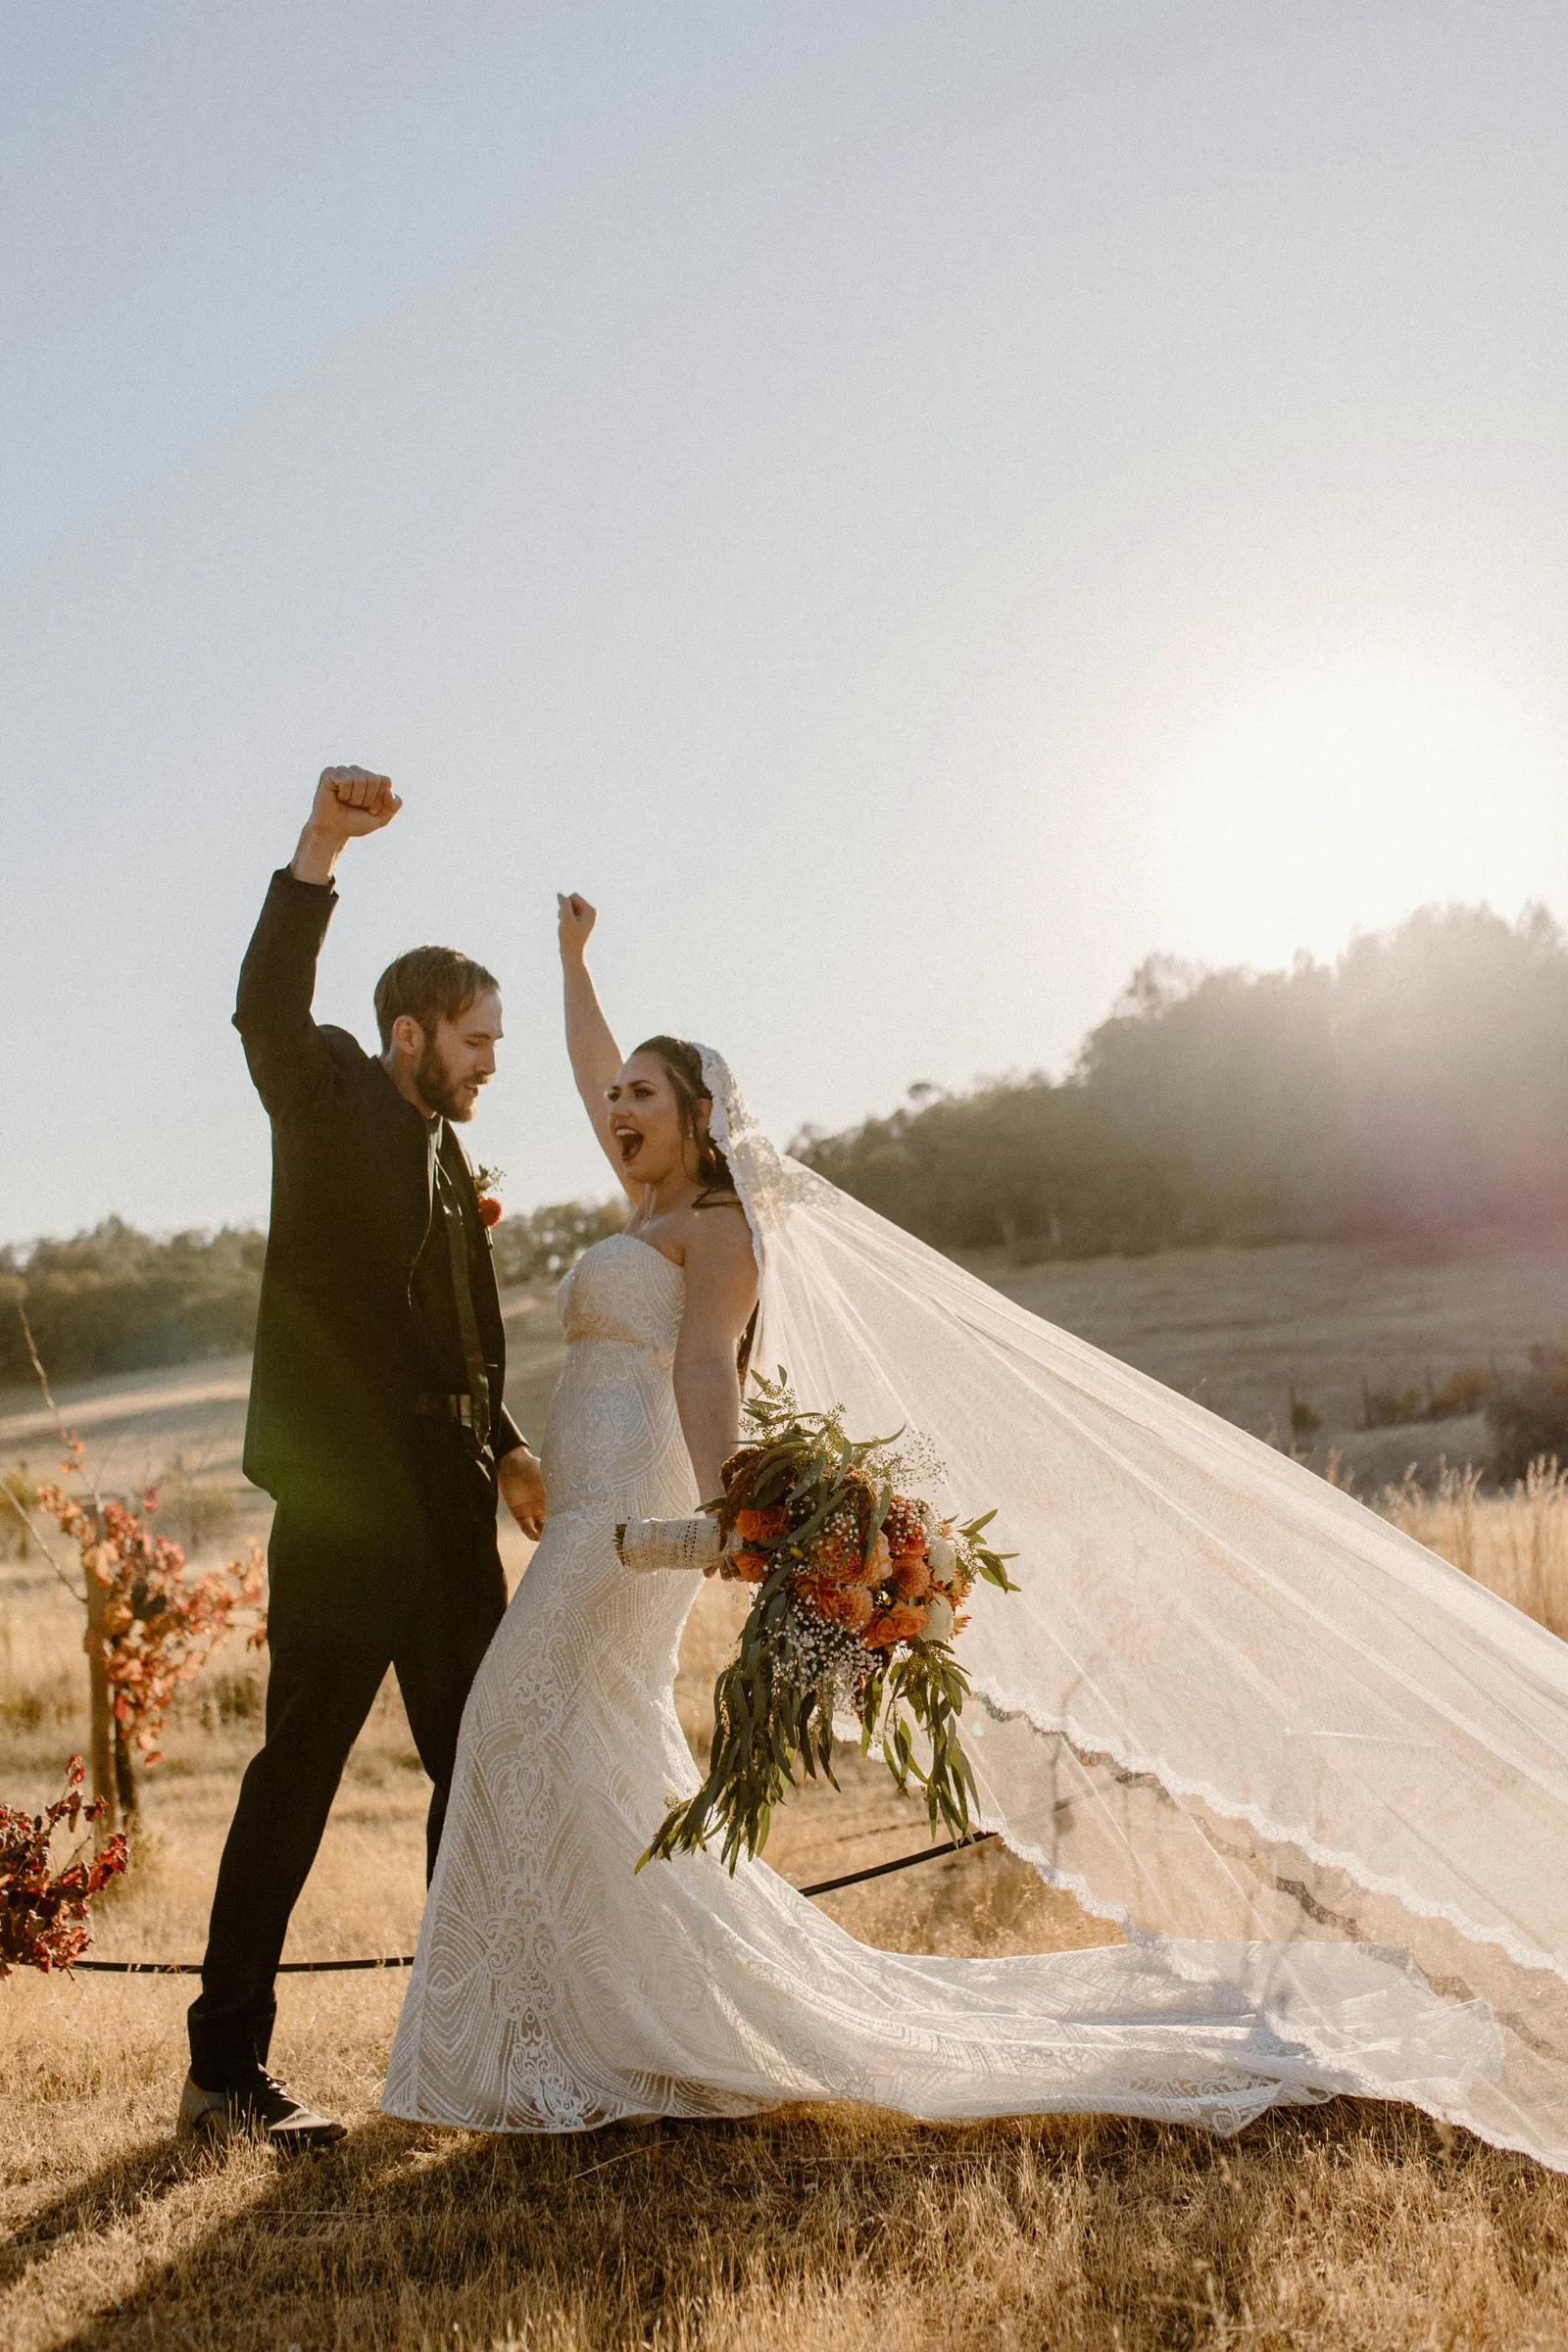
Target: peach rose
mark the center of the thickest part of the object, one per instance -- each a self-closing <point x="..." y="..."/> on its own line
<point x="759" y="1526"/>
<point x="904" y="1622"/>
<point x="749" y="1566"/>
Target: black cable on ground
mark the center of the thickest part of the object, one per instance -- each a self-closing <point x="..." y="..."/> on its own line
<point x="330" y="1968"/>
<point x="927" y="1853"/>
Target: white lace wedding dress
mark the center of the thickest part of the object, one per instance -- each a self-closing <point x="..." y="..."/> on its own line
<point x="556" y="1989"/>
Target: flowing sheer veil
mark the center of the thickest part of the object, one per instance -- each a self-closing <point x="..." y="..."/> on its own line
<point x="1231" y="1709"/>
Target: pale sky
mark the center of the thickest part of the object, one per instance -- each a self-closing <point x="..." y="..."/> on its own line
<point x="911" y="508"/>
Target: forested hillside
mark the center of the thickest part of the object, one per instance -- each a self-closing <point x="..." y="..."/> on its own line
<point x="115" y="1301"/>
<point x="1417" y="1087"/>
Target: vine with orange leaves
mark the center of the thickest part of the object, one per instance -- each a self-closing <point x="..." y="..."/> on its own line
<point x="150" y="1626"/>
<point x="43" y="1911"/>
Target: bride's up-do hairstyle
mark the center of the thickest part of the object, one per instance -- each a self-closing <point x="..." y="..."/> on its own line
<point x="683" y="1067"/>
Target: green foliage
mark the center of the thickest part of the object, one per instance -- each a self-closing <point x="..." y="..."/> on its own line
<point x="1417" y="1087"/>
<point x="115" y="1301"/>
<point x="1528" y="1413"/>
<point x="1028" y="1166"/>
<point x="542" y="1245"/>
<point x="1464" y="1391"/>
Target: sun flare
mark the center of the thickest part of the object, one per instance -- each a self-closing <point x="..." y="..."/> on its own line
<point x="1318" y="805"/>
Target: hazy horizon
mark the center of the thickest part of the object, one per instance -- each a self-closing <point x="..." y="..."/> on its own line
<point x="601" y="1184"/>
<point x="910" y="510"/>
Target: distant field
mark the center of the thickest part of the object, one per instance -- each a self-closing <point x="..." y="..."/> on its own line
<point x="1240" y="1330"/>
<point x="185" y="1425"/>
<point x="1244" y="1330"/>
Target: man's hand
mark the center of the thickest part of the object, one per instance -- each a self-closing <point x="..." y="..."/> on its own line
<point x="523" y="1482"/>
<point x="349" y="801"/>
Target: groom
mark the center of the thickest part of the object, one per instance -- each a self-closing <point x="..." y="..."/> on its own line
<point x="375" y="1419"/>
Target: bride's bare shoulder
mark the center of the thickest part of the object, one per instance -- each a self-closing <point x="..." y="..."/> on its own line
<point x="717" y="1232"/>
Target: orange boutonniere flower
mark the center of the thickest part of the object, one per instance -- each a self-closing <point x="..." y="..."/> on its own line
<point x="486" y="1183"/>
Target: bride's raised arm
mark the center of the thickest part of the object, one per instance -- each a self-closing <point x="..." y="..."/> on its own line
<point x="590" y="1041"/>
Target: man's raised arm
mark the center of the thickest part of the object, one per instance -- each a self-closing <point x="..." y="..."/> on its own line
<point x="283" y="1047"/>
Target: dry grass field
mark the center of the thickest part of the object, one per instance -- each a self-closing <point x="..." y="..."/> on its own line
<point x="1246" y="1331"/>
<point x="1350" y="2225"/>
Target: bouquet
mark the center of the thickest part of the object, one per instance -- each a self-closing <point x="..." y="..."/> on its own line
<point x="859" y="1594"/>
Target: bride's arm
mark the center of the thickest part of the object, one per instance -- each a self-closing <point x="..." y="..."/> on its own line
<point x="720" y="1294"/>
<point x="590" y="1041"/>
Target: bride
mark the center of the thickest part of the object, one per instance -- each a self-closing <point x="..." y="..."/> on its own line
<point x="1317" y="1778"/>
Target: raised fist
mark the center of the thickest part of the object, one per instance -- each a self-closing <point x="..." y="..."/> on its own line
<point x="577" y="919"/>
<point x="351" y="801"/>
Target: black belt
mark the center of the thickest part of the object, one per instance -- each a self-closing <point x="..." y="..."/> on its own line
<point x="430" y="1405"/>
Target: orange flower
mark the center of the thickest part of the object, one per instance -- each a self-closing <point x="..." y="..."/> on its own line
<point x="840" y="1569"/>
<point x="904" y="1527"/>
<point x="904" y="1622"/>
<point x="490" y="1208"/>
<point x="760" y="1526"/>
<point x="837" y="1558"/>
<point x="749" y="1566"/>
<point x="849" y="1605"/>
<point x="912" y="1579"/>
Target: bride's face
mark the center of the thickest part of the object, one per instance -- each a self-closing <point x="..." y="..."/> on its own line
<point x="645" y="1122"/>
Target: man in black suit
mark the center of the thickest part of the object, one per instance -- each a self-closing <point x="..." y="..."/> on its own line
<point x="375" y="1419"/>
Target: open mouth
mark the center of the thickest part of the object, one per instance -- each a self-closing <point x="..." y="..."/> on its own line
<point x="628" y="1142"/>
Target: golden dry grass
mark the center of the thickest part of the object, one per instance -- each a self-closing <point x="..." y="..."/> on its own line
<point x="1351" y="2225"/>
<point x="1515" y="1544"/>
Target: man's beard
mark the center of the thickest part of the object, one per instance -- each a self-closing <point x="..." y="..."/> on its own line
<point x="439" y="1088"/>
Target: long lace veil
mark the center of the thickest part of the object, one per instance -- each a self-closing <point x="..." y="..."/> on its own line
<point x="1231" y="1709"/>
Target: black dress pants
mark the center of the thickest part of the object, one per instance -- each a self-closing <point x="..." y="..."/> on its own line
<point x="430" y="1594"/>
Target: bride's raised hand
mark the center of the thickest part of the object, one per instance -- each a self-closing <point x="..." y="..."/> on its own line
<point x="577" y="919"/>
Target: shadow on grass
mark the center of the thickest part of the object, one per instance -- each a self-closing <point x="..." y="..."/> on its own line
<point x="128" y="2181"/>
<point x="1094" y="2231"/>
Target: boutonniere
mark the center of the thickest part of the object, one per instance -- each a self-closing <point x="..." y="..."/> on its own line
<point x="487" y="1184"/>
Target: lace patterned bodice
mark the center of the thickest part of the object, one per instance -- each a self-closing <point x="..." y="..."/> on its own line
<point x="613" y="1441"/>
<point x="630" y="1300"/>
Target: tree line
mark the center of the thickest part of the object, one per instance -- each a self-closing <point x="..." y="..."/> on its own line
<point x="118" y="1300"/>
<point x="1416" y="1087"/>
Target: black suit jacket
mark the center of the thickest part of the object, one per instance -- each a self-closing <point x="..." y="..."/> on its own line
<point x="341" y="1352"/>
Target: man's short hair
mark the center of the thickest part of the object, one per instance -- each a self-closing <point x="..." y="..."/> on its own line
<point x="431" y="985"/>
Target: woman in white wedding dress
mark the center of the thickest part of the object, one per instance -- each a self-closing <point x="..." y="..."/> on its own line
<point x="1315" y="1777"/>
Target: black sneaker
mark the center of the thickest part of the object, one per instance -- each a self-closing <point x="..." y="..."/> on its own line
<point x="261" y="2106"/>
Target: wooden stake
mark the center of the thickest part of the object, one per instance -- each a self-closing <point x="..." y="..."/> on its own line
<point x="102" y="1719"/>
